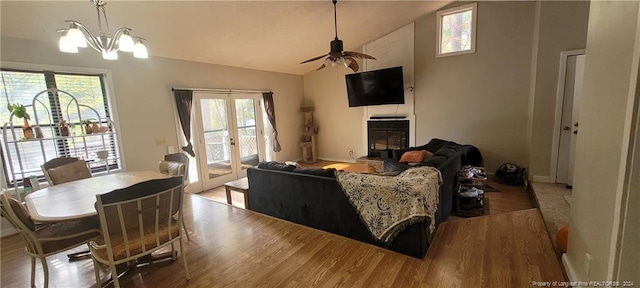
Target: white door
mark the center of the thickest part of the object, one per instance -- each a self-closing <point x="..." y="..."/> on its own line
<point x="571" y="97"/>
<point x="228" y="129"/>
<point x="577" y="96"/>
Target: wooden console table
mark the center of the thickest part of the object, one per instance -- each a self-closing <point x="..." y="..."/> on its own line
<point x="376" y="162"/>
<point x="352" y="167"/>
<point x="241" y="185"/>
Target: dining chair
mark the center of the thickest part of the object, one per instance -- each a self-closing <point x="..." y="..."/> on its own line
<point x="182" y="158"/>
<point x="138" y="220"/>
<point x="65" y="169"/>
<point x="42" y="240"/>
<point x="172" y="168"/>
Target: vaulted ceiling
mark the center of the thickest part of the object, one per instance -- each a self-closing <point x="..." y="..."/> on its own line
<point x="263" y="35"/>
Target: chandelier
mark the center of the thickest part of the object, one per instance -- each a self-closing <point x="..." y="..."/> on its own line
<point x="78" y="36"/>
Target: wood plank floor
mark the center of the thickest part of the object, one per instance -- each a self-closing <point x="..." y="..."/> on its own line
<point x="503" y="250"/>
<point x="233" y="247"/>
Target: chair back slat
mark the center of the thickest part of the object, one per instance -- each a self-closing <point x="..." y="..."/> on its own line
<point x="123" y="229"/>
<point x="170" y="209"/>
<point x="141" y="225"/>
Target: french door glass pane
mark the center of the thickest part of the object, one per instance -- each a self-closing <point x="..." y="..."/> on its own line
<point x="216" y="137"/>
<point x="247" y="132"/>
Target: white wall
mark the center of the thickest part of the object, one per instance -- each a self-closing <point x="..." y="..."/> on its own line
<point x="392" y="50"/>
<point x="563" y="27"/>
<point x="602" y="158"/>
<point x="482" y="98"/>
<point x="144" y="101"/>
<point x="340" y="127"/>
<point x="479" y="98"/>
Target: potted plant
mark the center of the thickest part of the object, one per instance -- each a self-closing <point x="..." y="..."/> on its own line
<point x="64" y="127"/>
<point x="87" y="126"/>
<point x="20" y="111"/>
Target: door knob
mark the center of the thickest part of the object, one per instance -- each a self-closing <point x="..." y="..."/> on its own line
<point x="575" y="132"/>
<point x="565" y="128"/>
<point x="575" y="124"/>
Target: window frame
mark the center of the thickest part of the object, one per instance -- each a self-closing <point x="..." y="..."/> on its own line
<point x="110" y="99"/>
<point x="473" y="7"/>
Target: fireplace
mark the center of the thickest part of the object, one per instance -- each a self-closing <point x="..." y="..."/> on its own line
<point x="386" y="135"/>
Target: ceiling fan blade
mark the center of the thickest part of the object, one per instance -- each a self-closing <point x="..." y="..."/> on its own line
<point x="314" y="59"/>
<point x="358" y="55"/>
<point x="321" y="67"/>
<point x="353" y="64"/>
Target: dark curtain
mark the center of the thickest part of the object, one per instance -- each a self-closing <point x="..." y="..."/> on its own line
<point x="184" y="99"/>
<point x="267" y="97"/>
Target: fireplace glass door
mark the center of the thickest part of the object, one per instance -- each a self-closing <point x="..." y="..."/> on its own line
<point x="385" y="136"/>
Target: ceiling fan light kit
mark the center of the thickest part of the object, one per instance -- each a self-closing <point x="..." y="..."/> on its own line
<point x="337" y="56"/>
<point x="78" y="36"/>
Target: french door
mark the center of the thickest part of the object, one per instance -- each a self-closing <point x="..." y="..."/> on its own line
<point x="229" y="136"/>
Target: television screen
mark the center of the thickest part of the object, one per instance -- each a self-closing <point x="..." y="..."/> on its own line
<point x="378" y="87"/>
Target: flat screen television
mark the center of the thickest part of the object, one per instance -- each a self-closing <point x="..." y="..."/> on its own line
<point x="378" y="87"/>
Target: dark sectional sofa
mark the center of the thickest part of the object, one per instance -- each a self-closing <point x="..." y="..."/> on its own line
<point x="314" y="198"/>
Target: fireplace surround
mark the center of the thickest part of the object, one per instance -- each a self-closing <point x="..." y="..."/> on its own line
<point x="385" y="136"/>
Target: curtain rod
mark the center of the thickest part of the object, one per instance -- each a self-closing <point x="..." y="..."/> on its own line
<point x="218" y="90"/>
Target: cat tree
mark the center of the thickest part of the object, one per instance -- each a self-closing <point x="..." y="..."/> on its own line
<point x="308" y="143"/>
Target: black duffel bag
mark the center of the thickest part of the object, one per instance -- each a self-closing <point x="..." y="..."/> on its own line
<point x="510" y="174"/>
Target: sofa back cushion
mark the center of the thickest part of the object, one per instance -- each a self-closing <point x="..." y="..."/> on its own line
<point x="331" y="172"/>
<point x="273" y="165"/>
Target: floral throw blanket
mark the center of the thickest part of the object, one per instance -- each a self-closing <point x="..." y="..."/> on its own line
<point x="389" y="204"/>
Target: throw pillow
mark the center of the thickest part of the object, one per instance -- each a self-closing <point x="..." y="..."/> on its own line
<point x="414" y="156"/>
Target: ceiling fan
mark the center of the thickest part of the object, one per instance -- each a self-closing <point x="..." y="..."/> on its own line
<point x="337" y="56"/>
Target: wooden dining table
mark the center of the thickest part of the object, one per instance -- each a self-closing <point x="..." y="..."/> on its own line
<point x="75" y="200"/>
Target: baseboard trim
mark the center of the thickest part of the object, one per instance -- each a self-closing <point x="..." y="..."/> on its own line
<point x="568" y="267"/>
<point x="7" y="232"/>
<point x="543" y="179"/>
<point x="531" y="193"/>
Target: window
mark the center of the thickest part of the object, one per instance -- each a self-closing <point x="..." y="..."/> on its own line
<point x="89" y="90"/>
<point x="457" y="30"/>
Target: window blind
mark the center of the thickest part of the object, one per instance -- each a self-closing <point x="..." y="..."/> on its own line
<point x="89" y="91"/>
